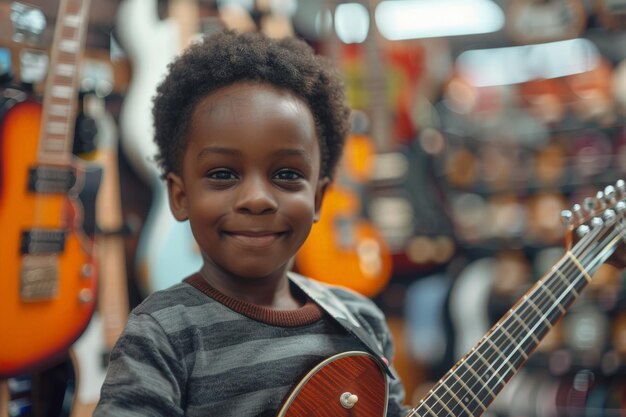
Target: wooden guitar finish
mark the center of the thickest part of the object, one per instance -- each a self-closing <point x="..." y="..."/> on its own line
<point x="48" y="280"/>
<point x="595" y="233"/>
<point x="320" y="392"/>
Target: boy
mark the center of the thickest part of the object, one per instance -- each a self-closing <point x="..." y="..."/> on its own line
<point x="249" y="131"/>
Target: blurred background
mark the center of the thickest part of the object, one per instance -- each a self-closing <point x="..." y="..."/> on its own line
<point x="476" y="123"/>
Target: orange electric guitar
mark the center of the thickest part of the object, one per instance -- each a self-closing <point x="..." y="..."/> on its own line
<point x="48" y="283"/>
<point x="354" y="384"/>
<point x="345" y="247"/>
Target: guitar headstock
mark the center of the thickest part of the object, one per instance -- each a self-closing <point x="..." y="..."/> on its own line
<point x="602" y="215"/>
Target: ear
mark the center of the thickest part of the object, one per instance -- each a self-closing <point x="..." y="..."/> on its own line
<point x="320" y="191"/>
<point x="177" y="197"/>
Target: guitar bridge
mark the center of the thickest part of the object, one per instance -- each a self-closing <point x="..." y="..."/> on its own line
<point x="39" y="277"/>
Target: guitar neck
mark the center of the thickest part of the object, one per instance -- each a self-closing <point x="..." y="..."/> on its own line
<point x="113" y="297"/>
<point x="473" y="383"/>
<point x="56" y="136"/>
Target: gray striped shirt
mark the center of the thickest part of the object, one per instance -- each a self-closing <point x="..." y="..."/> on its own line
<point x="184" y="353"/>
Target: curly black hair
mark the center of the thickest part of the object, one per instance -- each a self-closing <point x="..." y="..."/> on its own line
<point x="228" y="57"/>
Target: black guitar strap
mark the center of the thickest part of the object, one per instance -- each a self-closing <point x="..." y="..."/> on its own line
<point x="332" y="305"/>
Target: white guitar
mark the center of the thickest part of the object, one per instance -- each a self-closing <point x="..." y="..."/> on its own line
<point x="166" y="251"/>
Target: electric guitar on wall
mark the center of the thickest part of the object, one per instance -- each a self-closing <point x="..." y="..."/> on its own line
<point x="345" y="248"/>
<point x="167" y="250"/>
<point x="354" y="384"/>
<point x="48" y="261"/>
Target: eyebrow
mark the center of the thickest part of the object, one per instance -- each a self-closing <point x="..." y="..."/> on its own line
<point x="217" y="150"/>
<point x="231" y="151"/>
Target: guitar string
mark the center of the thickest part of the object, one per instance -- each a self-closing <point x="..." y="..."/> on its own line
<point x="451" y="373"/>
<point x="553" y="305"/>
<point x="507" y="360"/>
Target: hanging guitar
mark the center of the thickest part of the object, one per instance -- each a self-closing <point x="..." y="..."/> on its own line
<point x="46" y="202"/>
<point x="353" y="383"/>
<point x="345" y="248"/>
<point x="151" y="44"/>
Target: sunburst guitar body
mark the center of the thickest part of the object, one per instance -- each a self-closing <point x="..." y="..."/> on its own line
<point x="49" y="280"/>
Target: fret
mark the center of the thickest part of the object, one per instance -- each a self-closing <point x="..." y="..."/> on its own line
<point x="430" y="411"/>
<point x="542" y="315"/>
<point x="516" y="344"/>
<point x="526" y="328"/>
<point x="69" y="46"/>
<point x="480" y="380"/>
<point x="504" y="358"/>
<point x="553" y="297"/>
<point x="579" y="266"/>
<point x="566" y="282"/>
<point x="62" y="91"/>
<point x="486" y="383"/>
<point x="457" y="399"/>
<point x="59" y="110"/>
<point x="54" y="143"/>
<point x="56" y="128"/>
<point x="442" y="403"/>
<point x="72" y="20"/>
<point x="469" y="391"/>
<point x="65" y="70"/>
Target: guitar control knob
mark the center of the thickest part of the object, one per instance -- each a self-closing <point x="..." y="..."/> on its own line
<point x="348" y="400"/>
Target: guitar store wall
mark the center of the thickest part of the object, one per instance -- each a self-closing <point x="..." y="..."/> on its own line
<point x="466" y="188"/>
<point x="499" y="161"/>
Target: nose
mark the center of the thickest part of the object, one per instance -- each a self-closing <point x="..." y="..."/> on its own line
<point x="256" y="196"/>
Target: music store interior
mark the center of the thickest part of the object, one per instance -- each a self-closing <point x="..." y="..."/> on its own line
<point x="482" y="174"/>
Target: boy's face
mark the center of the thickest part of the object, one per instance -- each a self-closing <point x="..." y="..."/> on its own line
<point x="249" y="181"/>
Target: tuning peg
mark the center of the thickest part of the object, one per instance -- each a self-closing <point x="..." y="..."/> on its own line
<point x="597" y="222"/>
<point x="609" y="215"/>
<point x="610" y="194"/>
<point x="566" y="217"/>
<point x="601" y="199"/>
<point x="577" y="210"/>
<point x="582" y="230"/>
<point x="590" y="204"/>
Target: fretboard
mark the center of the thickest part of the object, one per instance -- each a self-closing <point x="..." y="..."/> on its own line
<point x="60" y="94"/>
<point x="473" y="383"/>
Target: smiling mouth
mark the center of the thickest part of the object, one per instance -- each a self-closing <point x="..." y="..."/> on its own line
<point x="255" y="239"/>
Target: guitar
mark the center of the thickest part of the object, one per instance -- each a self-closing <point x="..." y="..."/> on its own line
<point x="166" y="250"/>
<point x="354" y="384"/>
<point x="92" y="348"/>
<point x="47" y="256"/>
<point x="344" y="247"/>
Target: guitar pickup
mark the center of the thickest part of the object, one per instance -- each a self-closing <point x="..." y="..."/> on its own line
<point x="51" y="179"/>
<point x="41" y="241"/>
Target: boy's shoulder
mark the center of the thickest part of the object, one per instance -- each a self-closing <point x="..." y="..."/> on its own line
<point x="178" y="296"/>
<point x="332" y="294"/>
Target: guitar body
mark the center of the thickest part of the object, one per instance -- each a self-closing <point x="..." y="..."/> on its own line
<point x="319" y="394"/>
<point x="344" y="248"/>
<point x="48" y="296"/>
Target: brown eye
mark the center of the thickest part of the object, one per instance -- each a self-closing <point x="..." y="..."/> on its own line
<point x="223" y="175"/>
<point x="288" y="175"/>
